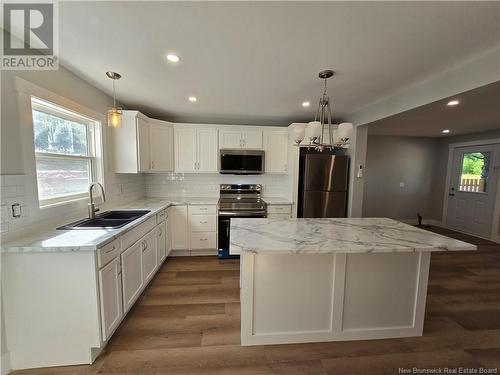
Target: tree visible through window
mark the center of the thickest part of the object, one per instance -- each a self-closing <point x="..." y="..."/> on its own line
<point x="63" y="151"/>
<point x="475" y="169"/>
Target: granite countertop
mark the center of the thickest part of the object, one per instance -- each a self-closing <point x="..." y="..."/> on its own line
<point x="343" y="235"/>
<point x="53" y="240"/>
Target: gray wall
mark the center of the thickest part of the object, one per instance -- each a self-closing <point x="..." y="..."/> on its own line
<point x="419" y="162"/>
<point x="391" y="160"/>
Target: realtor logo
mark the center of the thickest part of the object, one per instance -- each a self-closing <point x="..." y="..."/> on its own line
<point x="29" y="36"/>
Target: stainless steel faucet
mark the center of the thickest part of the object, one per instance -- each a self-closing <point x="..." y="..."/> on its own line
<point x="91" y="205"/>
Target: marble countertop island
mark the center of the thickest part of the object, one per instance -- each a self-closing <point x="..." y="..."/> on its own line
<point x="342" y="235"/>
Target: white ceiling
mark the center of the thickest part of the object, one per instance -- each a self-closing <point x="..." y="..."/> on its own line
<point x="479" y="110"/>
<point x="255" y="62"/>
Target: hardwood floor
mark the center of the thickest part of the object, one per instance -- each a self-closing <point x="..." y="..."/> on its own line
<point x="187" y="322"/>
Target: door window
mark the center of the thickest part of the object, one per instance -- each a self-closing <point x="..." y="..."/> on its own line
<point x="474" y="173"/>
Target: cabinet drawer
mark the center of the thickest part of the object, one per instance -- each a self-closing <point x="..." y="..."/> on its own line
<point x="133" y="235"/>
<point x="203" y="209"/>
<point x="161" y="216"/>
<point x="279" y="209"/>
<point x="203" y="240"/>
<point x="108" y="252"/>
<point x="278" y="216"/>
<point x="202" y="223"/>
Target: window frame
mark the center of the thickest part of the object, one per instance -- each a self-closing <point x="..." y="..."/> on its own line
<point x="91" y="127"/>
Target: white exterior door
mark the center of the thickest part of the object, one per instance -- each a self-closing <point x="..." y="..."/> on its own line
<point x="207" y="150"/>
<point x="161" y="138"/>
<point x="185" y="150"/>
<point x="472" y="189"/>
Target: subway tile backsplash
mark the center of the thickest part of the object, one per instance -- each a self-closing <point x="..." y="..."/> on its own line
<point x="119" y="189"/>
<point x="207" y="185"/>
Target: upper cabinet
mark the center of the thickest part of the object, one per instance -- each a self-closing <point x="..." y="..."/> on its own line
<point x="131" y="144"/>
<point x="142" y="144"/>
<point x="276" y="150"/>
<point x="161" y="139"/>
<point x="196" y="149"/>
<point x="236" y="138"/>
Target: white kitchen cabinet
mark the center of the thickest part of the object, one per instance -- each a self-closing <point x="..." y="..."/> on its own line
<point x="168" y="227"/>
<point x="252" y="139"/>
<point x="161" y="237"/>
<point x="179" y="227"/>
<point x="203" y="229"/>
<point x="237" y="138"/>
<point x="207" y="150"/>
<point x="196" y="149"/>
<point x="132" y="278"/>
<point x="110" y="288"/>
<point x="149" y="256"/>
<point x="276" y="149"/>
<point x="230" y="138"/>
<point x="185" y="149"/>
<point x="161" y="140"/>
<point x="131" y="149"/>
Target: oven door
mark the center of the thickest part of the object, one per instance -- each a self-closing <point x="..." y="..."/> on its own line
<point x="241" y="161"/>
<point x="224" y="231"/>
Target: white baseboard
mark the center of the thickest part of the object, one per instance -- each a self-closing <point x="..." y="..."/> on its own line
<point x="5" y="363"/>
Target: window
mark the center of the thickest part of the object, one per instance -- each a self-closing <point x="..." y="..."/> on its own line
<point x="64" y="152"/>
<point x="474" y="174"/>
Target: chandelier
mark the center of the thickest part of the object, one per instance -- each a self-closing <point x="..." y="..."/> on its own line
<point x="321" y="131"/>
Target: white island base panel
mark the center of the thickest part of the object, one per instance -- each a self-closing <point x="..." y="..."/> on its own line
<point x="299" y="298"/>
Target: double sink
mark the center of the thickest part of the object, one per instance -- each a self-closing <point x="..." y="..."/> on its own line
<point x="107" y="220"/>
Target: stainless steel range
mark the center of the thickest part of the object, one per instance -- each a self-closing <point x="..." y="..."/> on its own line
<point x="237" y="201"/>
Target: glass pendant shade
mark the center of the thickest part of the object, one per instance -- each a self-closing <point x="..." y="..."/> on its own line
<point x="299" y="132"/>
<point x="115" y="117"/>
<point x="315" y="129"/>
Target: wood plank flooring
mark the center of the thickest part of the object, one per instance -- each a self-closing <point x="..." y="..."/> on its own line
<point x="187" y="322"/>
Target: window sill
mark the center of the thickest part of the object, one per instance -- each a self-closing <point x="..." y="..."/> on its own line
<point x="72" y="202"/>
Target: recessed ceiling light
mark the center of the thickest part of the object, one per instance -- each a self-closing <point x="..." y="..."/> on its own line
<point x="192" y="99"/>
<point x="172" y="57"/>
<point x="453" y="102"/>
<point x="445" y="131"/>
<point x="306" y="104"/>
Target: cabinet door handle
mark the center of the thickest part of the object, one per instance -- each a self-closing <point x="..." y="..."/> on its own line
<point x="152" y="164"/>
<point x="203" y="222"/>
<point x="203" y="239"/>
<point x="110" y="250"/>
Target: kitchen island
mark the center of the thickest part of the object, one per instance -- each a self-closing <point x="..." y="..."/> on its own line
<point x="313" y="280"/>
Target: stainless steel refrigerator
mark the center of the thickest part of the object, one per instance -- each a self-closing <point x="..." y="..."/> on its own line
<point x="323" y="183"/>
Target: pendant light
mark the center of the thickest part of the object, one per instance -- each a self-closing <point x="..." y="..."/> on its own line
<point x="114" y="113"/>
<point x="320" y="131"/>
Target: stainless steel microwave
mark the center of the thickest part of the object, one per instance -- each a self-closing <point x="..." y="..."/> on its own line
<point x="241" y="161"/>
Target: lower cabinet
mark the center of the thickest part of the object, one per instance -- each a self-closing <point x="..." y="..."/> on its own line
<point x="110" y="287"/>
<point x="132" y="274"/>
<point x="179" y="221"/>
<point x="161" y="237"/>
<point x="149" y="255"/>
